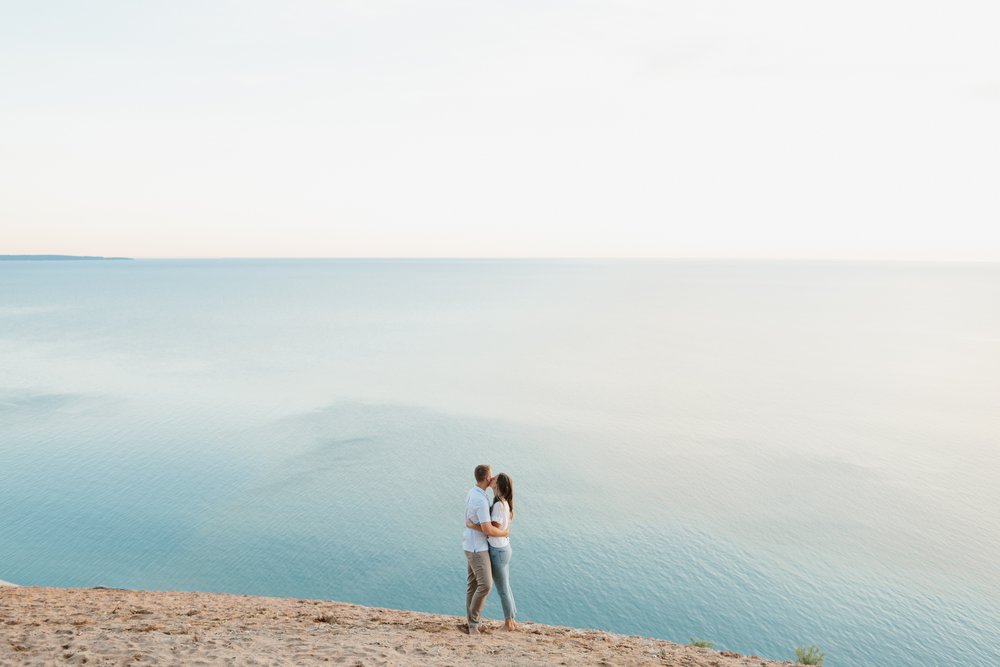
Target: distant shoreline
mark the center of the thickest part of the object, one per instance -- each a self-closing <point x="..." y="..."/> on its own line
<point x="49" y="258"/>
<point x="796" y="261"/>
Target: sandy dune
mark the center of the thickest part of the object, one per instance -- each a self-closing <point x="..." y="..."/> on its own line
<point x="43" y="626"/>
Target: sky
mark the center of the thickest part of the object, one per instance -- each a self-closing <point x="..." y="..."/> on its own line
<point x="857" y="129"/>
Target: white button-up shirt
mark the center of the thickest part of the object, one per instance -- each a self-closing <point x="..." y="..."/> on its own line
<point x="477" y="510"/>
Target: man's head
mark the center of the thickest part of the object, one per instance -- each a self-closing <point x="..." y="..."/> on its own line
<point x="483" y="476"/>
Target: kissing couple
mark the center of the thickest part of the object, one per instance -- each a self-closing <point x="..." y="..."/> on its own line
<point x="486" y="543"/>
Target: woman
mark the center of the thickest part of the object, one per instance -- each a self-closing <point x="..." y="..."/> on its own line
<point x="501" y="514"/>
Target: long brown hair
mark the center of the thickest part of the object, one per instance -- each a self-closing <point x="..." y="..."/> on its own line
<point x="505" y="491"/>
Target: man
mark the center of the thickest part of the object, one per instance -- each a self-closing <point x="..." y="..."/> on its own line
<point x="477" y="548"/>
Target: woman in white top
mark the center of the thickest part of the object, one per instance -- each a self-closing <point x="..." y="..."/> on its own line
<point x="501" y="514"/>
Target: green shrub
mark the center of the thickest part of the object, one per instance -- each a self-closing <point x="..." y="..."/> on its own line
<point x="809" y="655"/>
<point x="700" y="643"/>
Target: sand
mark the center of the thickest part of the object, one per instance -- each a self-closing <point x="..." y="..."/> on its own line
<point x="47" y="626"/>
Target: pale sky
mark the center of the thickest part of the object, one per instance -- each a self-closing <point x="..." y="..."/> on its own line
<point x="697" y="128"/>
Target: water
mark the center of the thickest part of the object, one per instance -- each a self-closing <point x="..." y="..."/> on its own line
<point x="763" y="455"/>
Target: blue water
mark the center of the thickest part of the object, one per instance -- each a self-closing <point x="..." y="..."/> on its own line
<point x="763" y="455"/>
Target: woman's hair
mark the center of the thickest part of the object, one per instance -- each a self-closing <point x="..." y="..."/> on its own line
<point x="505" y="491"/>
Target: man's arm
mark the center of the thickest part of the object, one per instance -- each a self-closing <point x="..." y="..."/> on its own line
<point x="483" y="523"/>
<point x="488" y="529"/>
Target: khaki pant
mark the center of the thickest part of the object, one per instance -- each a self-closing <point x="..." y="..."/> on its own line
<point x="480" y="579"/>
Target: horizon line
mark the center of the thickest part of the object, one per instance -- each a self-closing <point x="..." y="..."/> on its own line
<point x="57" y="256"/>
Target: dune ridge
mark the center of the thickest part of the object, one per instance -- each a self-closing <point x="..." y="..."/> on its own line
<point x="42" y="626"/>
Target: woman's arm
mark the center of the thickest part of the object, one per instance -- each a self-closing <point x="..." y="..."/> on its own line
<point x="502" y="509"/>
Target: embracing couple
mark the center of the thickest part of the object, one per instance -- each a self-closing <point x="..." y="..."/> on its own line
<point x="487" y="545"/>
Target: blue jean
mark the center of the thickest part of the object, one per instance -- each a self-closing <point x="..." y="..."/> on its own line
<point x="500" y="563"/>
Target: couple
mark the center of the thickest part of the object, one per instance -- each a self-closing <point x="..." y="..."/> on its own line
<point x="487" y="545"/>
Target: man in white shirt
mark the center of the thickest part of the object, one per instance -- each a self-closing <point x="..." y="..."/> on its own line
<point x="477" y="548"/>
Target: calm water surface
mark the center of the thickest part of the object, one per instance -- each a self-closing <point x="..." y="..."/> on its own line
<point x="760" y="454"/>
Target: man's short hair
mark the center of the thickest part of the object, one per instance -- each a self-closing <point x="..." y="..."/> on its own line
<point x="482" y="473"/>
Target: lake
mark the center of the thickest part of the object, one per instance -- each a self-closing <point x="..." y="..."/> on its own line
<point x="760" y="454"/>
